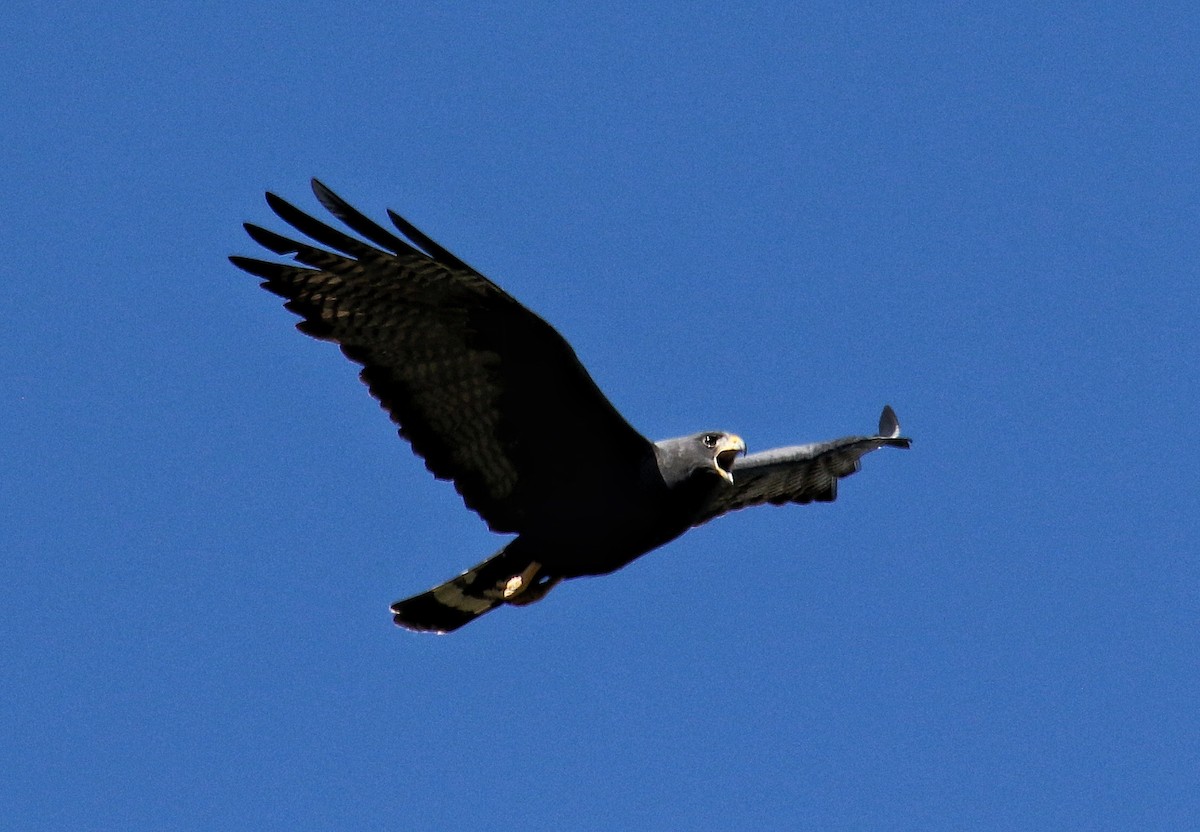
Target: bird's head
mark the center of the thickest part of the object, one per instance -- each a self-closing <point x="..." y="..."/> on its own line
<point x="723" y="449"/>
<point x="711" y="452"/>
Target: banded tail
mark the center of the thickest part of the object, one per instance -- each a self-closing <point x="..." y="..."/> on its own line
<point x="507" y="577"/>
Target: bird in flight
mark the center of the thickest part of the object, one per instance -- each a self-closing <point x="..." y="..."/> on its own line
<point x="495" y="400"/>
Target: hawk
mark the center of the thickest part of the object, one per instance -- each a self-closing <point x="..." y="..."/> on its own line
<point x="495" y="400"/>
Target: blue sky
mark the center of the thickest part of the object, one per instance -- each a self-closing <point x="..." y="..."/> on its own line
<point x="772" y="219"/>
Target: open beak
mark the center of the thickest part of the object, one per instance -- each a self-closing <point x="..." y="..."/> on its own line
<point x="727" y="450"/>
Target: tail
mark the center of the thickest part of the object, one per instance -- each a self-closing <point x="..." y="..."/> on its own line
<point x="507" y="577"/>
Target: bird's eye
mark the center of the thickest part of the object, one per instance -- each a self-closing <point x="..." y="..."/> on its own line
<point x="710" y="440"/>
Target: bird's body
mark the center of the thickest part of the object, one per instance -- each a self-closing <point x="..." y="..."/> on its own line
<point x="496" y="401"/>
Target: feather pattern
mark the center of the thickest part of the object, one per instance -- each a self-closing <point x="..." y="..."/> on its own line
<point x="490" y="395"/>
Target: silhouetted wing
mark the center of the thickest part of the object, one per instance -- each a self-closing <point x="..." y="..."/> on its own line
<point x="489" y="394"/>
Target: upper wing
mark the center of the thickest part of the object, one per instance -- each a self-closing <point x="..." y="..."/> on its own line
<point x="802" y="473"/>
<point x="487" y="392"/>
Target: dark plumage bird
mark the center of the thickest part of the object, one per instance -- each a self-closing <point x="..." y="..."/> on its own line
<point x="494" y="399"/>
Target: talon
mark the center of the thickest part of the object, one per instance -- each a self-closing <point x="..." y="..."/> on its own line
<point x="529" y="586"/>
<point x="513" y="586"/>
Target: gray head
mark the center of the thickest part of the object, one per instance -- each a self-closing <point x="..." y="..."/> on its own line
<point x="712" y="451"/>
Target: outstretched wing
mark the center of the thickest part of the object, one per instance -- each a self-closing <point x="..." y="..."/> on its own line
<point x="802" y="473"/>
<point x="489" y="394"/>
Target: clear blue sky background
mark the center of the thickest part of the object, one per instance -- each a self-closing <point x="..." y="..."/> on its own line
<point x="766" y="217"/>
